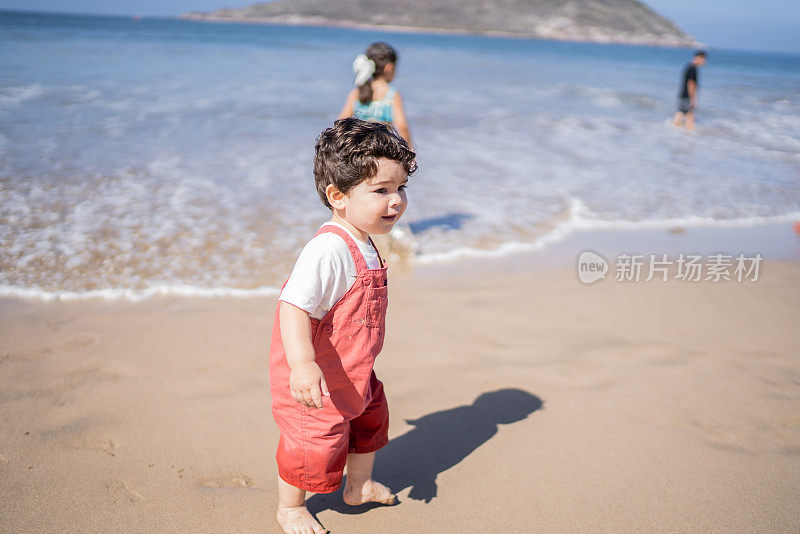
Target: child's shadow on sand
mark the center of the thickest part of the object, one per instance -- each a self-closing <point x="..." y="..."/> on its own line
<point x="439" y="441"/>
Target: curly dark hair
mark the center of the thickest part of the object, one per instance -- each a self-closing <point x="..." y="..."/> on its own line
<point x="347" y="153"/>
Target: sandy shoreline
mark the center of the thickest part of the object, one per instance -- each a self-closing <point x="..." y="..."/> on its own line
<point x="658" y="406"/>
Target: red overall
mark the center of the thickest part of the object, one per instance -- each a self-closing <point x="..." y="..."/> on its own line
<point x="314" y="442"/>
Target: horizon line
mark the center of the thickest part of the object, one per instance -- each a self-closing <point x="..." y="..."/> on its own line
<point x="378" y="28"/>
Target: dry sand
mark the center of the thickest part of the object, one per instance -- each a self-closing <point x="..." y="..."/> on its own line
<point x="521" y="401"/>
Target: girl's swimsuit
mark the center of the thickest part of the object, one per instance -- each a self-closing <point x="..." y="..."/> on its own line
<point x="314" y="442"/>
<point x="377" y="110"/>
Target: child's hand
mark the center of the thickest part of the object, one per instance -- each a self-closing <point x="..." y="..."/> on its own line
<point x="307" y="384"/>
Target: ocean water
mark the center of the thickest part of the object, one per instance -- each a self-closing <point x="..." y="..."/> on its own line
<point x="166" y="156"/>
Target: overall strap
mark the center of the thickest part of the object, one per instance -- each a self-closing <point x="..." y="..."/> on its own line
<point x="355" y="252"/>
<point x="380" y="260"/>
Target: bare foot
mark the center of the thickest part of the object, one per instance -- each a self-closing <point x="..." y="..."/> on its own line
<point x="370" y="491"/>
<point x="298" y="520"/>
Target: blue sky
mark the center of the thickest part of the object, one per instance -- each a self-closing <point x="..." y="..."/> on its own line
<point x="743" y="24"/>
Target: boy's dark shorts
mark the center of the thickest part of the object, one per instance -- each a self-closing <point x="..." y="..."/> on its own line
<point x="685" y="105"/>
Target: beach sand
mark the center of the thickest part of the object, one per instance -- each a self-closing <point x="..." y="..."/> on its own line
<point x="521" y="400"/>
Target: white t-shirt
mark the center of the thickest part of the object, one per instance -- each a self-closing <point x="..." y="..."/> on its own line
<point x="324" y="272"/>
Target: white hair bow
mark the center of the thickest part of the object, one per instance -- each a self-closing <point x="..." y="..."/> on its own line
<point x="363" y="68"/>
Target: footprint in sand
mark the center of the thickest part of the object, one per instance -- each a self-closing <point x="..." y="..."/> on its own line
<point x="232" y="481"/>
<point x="94" y="368"/>
<point x="742" y="436"/>
<point x="119" y="492"/>
<point x="77" y="340"/>
<point x="56" y="324"/>
<point x="104" y="444"/>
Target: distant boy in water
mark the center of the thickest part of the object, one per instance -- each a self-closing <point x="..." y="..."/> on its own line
<point x="687" y="99"/>
<point x="329" y="326"/>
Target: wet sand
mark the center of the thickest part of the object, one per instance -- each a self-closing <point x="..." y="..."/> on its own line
<point x="521" y="400"/>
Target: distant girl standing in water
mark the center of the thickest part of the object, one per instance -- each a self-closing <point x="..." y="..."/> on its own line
<point x="373" y="99"/>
